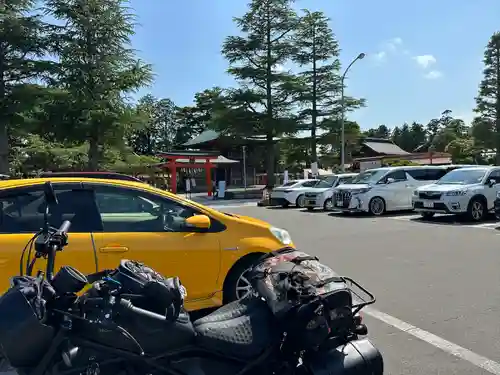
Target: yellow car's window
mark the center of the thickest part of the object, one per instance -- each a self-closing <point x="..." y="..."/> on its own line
<point x="22" y="210"/>
<point x="124" y="210"/>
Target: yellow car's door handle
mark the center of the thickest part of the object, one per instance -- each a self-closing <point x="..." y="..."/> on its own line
<point x="113" y="249"/>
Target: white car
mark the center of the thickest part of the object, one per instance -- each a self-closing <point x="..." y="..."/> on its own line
<point x="470" y="192"/>
<point x="291" y="193"/>
<point x="320" y="195"/>
<point x="384" y="189"/>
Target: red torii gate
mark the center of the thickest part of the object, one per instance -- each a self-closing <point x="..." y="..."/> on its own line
<point x="189" y="159"/>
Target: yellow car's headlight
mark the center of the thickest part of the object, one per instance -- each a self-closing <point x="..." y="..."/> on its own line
<point x="281" y="235"/>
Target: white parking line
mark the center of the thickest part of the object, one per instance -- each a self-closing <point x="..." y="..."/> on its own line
<point x="412" y="218"/>
<point x="436" y="341"/>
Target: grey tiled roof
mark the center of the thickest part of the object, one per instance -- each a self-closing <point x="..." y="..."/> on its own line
<point x="206" y="136"/>
<point x="384" y="147"/>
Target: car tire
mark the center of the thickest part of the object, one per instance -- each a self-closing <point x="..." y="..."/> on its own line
<point x="427" y="215"/>
<point x="234" y="280"/>
<point x="328" y="205"/>
<point x="376" y="207"/>
<point x="299" y="202"/>
<point x="476" y="210"/>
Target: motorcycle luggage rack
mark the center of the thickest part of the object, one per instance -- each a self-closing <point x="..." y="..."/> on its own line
<point x="361" y="301"/>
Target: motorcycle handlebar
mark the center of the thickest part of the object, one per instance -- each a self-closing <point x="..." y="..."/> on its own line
<point x="129" y="306"/>
<point x="64" y="228"/>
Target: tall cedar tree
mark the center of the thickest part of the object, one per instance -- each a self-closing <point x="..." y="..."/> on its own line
<point x="318" y="50"/>
<point x="98" y="68"/>
<point x="265" y="91"/>
<point x="488" y="99"/>
<point x="23" y="44"/>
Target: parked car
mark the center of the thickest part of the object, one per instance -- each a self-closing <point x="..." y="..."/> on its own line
<point x="379" y="190"/>
<point x="209" y="250"/>
<point x="291" y="193"/>
<point x="470" y="192"/>
<point x="320" y="195"/>
<point x="496" y="207"/>
<point x="102" y="175"/>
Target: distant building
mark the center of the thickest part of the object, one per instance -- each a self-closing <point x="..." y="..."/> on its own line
<point x="379" y="147"/>
<point x="377" y="152"/>
<point x="233" y="147"/>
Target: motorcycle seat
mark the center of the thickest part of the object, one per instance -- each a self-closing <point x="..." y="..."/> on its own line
<point x="242" y="329"/>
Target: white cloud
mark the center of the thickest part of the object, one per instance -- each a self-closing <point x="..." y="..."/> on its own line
<point x="433" y="74"/>
<point x="425" y="60"/>
<point x="380" y="56"/>
<point x="390" y="46"/>
<point x="394" y="43"/>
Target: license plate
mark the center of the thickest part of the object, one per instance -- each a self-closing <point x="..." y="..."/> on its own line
<point x="429" y="204"/>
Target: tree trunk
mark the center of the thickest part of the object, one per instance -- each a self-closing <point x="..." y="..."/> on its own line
<point x="497" y="108"/>
<point x="270" y="160"/>
<point x="94" y="154"/>
<point x="269" y="104"/>
<point x="4" y="134"/>
<point x="4" y="146"/>
<point x="314" y="116"/>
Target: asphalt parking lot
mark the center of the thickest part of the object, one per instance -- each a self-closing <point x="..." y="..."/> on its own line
<point x="437" y="283"/>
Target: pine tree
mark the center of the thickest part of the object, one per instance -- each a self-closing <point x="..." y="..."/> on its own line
<point x="263" y="100"/>
<point x="23" y="46"/>
<point x="317" y="49"/>
<point x="488" y="99"/>
<point x="98" y="68"/>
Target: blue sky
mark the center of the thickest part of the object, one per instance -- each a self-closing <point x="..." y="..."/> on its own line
<point x="422" y="57"/>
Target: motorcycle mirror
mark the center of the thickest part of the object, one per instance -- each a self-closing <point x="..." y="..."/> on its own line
<point x="50" y="195"/>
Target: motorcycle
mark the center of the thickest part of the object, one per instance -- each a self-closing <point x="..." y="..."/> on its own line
<point x="302" y="319"/>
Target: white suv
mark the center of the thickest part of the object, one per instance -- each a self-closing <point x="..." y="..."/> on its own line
<point x="384" y="189"/>
<point x="466" y="191"/>
<point x="321" y="194"/>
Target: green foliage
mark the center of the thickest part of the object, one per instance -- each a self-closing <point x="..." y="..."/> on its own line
<point x="98" y="69"/>
<point x="158" y="130"/>
<point x="205" y="113"/>
<point x="74" y="111"/>
<point x="400" y="163"/>
<point x="263" y="100"/>
<point x="24" y="44"/>
<point x="295" y="154"/>
<point x="381" y="131"/>
<point x="316" y="49"/>
<point x="488" y="99"/>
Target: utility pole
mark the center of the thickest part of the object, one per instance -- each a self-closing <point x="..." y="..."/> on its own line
<point x="245" y="169"/>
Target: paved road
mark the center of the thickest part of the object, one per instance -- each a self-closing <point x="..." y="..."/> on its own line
<point x="437" y="284"/>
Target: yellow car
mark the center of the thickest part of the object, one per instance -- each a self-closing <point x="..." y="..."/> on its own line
<point x="113" y="219"/>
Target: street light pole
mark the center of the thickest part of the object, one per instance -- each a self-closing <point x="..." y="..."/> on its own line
<point x="342" y="110"/>
<point x="245" y="168"/>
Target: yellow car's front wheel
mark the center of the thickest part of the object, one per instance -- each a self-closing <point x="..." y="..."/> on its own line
<point x="237" y="284"/>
